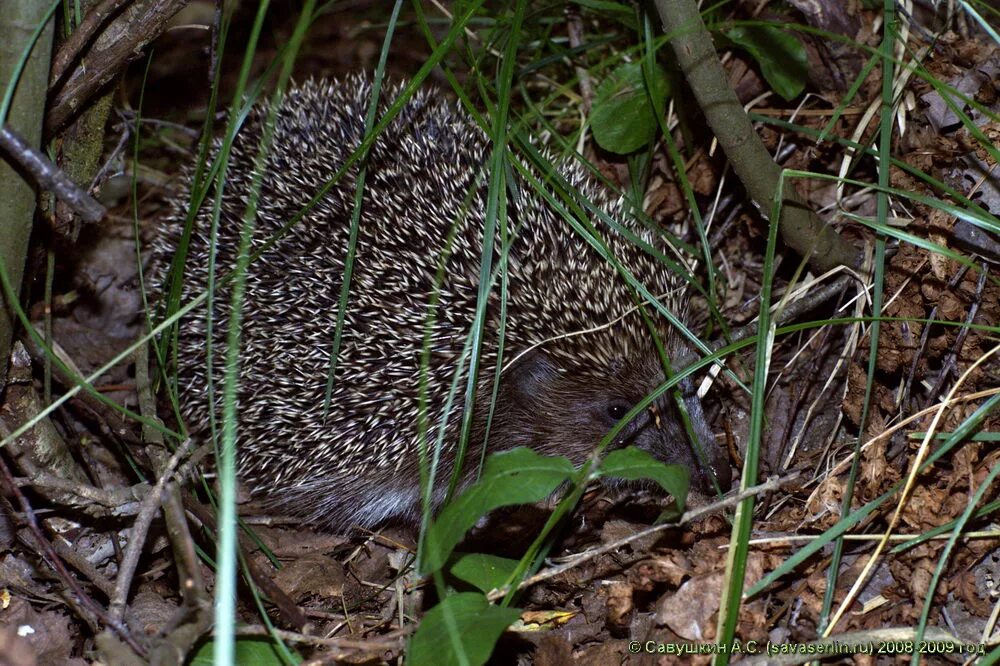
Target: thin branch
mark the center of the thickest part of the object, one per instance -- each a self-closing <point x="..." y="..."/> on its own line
<point x="788" y="313"/>
<point x="770" y="485"/>
<point x="137" y="536"/>
<point x="48" y="553"/>
<point x="393" y="642"/>
<point x="48" y="176"/>
<point x="126" y="36"/>
<point x="83" y="565"/>
<point x="951" y="359"/>
<point x="71" y="48"/>
<point x="185" y="556"/>
<point x="801" y="228"/>
<point x="122" y="501"/>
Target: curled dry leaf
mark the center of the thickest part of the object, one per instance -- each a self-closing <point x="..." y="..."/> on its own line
<point x="920" y="580"/>
<point x="690" y="611"/>
<point x="926" y="508"/>
<point x="285" y="543"/>
<point x="825" y="503"/>
<point x="554" y="650"/>
<point x="16" y="651"/>
<point x="149" y="613"/>
<point x="314" y="575"/>
<point x="671" y="569"/>
<point x="620" y="605"/>
<point x="28" y="636"/>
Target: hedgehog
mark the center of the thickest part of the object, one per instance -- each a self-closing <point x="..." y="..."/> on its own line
<point x="576" y="353"/>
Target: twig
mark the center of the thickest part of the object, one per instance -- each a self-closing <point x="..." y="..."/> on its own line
<point x="188" y="570"/>
<point x="49" y="554"/>
<point x="918" y="353"/>
<point x="952" y="357"/>
<point x="48" y="176"/>
<point x="99" y="177"/>
<point x="81" y="564"/>
<point x="120" y="501"/>
<point x="689" y="516"/>
<point x="194" y="618"/>
<point x="394" y="641"/>
<point x="70" y="49"/>
<point x="137" y="536"/>
<point x="128" y="36"/>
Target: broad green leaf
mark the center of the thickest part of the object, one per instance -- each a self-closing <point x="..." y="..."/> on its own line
<point x="518" y="476"/>
<point x="462" y="629"/>
<point x="780" y="54"/>
<point x="249" y="652"/>
<point x="485" y="572"/>
<point x="607" y="7"/>
<point x="631" y="463"/>
<point x="624" y="115"/>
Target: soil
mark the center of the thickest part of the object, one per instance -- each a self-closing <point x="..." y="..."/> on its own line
<point x="826" y="392"/>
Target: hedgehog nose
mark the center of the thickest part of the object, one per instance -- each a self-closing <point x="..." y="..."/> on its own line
<point x="720" y="470"/>
<point x="716" y="465"/>
<point x="714" y="472"/>
<point x="655" y="413"/>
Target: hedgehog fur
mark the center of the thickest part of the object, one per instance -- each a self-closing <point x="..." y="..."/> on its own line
<point x="358" y="465"/>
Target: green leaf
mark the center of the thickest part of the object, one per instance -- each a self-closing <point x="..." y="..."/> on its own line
<point x="607" y="7"/>
<point x="249" y="652"/>
<point x="631" y="463"/>
<point x="624" y="115"/>
<point x="518" y="476"/>
<point x="462" y="629"/>
<point x="780" y="54"/>
<point x="485" y="572"/>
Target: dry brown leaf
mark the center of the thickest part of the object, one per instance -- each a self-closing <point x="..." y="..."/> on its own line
<point x="690" y="611"/>
<point x="312" y="576"/>
<point x="670" y="569"/>
<point x="619" y="603"/>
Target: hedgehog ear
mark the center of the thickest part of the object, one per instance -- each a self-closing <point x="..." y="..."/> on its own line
<point x="531" y="377"/>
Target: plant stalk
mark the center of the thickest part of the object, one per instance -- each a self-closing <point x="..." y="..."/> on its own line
<point x="801" y="229"/>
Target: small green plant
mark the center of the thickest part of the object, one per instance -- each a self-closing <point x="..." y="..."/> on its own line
<point x="463" y="627"/>
<point x="627" y="108"/>
<point x="780" y="54"/>
<point x="247" y="652"/>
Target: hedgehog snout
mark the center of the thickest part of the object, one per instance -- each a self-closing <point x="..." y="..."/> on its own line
<point x="661" y="434"/>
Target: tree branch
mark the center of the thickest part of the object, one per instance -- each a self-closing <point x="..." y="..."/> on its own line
<point x="48" y="176"/>
<point x="119" y="43"/>
<point x="801" y="228"/>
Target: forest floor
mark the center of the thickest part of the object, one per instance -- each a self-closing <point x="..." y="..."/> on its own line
<point x="666" y="586"/>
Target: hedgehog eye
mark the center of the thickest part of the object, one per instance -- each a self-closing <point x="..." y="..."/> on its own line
<point x="617" y="410"/>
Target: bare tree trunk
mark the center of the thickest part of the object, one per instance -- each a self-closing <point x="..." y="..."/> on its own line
<point x="18" y="22"/>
